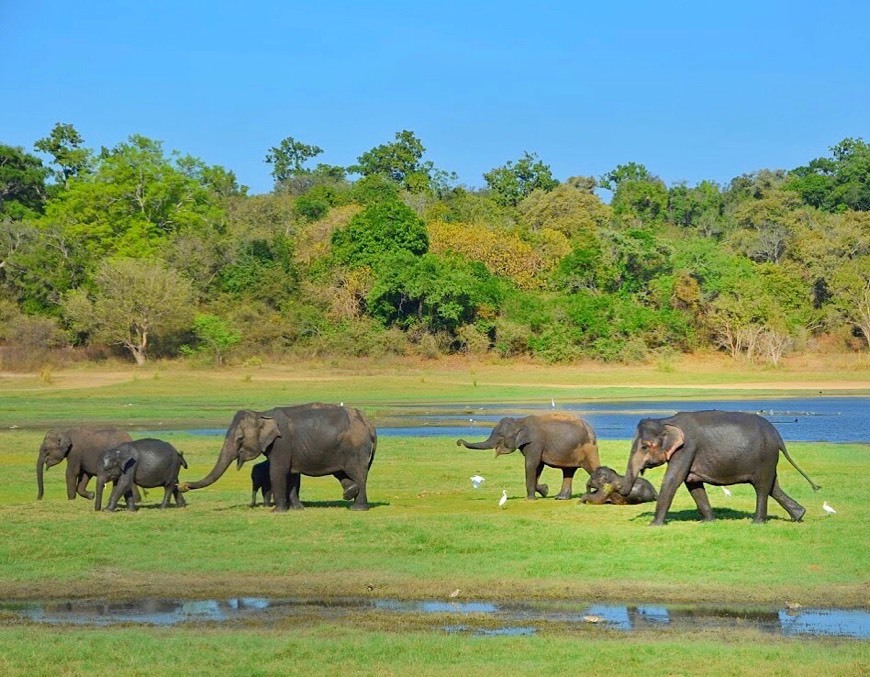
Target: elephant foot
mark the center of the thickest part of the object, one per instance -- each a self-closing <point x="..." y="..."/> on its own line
<point x="562" y="497"/>
<point x="88" y="495"/>
<point x="280" y="508"/>
<point x="657" y="523"/>
<point x="798" y="516"/>
<point x="543" y="490"/>
<point x="351" y="492"/>
<point x="359" y="506"/>
<point x="757" y="520"/>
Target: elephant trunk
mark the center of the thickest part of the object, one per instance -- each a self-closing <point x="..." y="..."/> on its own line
<point x="635" y="465"/>
<point x="98" y="496"/>
<point x="227" y="456"/>
<point x="486" y="444"/>
<point x="40" y="468"/>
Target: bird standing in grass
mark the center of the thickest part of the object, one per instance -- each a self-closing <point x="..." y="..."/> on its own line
<point x="477" y="480"/>
<point x="726" y="491"/>
<point x="828" y="509"/>
<point x="503" y="499"/>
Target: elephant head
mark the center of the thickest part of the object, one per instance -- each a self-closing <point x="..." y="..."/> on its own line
<point x="54" y="448"/>
<point x="603" y="477"/>
<point x="655" y="441"/>
<point x="508" y="435"/>
<point x="250" y="434"/>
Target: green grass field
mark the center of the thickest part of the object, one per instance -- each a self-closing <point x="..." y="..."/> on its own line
<point x="428" y="534"/>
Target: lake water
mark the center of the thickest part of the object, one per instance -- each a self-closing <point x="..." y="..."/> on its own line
<point x="454" y="616"/>
<point x="815" y="419"/>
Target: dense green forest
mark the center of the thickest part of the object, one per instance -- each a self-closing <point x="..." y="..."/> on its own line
<point x="136" y="251"/>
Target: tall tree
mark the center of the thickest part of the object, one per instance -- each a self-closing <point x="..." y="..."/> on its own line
<point x="289" y="157"/>
<point x="511" y="182"/>
<point x="400" y="161"/>
<point x="64" y="144"/>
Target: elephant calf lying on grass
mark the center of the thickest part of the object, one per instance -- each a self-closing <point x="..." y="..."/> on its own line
<point x="604" y="484"/>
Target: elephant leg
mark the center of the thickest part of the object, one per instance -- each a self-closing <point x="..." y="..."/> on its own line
<point x="675" y="475"/>
<point x="278" y="478"/>
<point x="82" y="486"/>
<point x="763" y="489"/>
<point x="115" y="496"/>
<point x="696" y="489"/>
<point x="167" y="492"/>
<point x="361" y="501"/>
<point x="253" y="498"/>
<point x="795" y="510"/>
<point x="294" y="481"/>
<point x="567" y="480"/>
<point x="180" y="501"/>
<point x="350" y="489"/>
<point x="267" y="497"/>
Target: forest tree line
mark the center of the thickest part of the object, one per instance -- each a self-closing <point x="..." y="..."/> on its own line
<point x="158" y="254"/>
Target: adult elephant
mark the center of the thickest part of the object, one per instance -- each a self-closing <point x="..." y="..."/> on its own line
<point x="148" y="463"/>
<point x="308" y="439"/>
<point x="712" y="447"/>
<point x="556" y="440"/>
<point x="81" y="447"/>
<point x="603" y="487"/>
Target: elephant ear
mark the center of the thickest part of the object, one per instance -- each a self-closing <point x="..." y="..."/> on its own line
<point x="65" y="443"/>
<point x="524" y="435"/>
<point x="672" y="439"/>
<point x="268" y="432"/>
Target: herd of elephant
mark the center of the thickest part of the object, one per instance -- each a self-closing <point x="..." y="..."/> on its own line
<point x="702" y="447"/>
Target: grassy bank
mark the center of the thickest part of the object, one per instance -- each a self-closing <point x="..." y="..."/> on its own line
<point x="354" y="649"/>
<point x="430" y="533"/>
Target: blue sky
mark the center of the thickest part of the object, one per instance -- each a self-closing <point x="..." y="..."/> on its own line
<point x="693" y="90"/>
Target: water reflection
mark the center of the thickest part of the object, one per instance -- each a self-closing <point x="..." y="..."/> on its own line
<point x="512" y="619"/>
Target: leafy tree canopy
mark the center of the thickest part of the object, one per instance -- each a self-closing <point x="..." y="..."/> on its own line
<point x="64" y="145"/>
<point x="512" y="182"/>
<point x="377" y="231"/>
<point x="22" y="183"/>
<point x="289" y="157"/>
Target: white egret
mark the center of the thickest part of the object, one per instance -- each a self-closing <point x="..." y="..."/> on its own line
<point x="726" y="491"/>
<point x="503" y="499"/>
<point x="477" y="480"/>
<point x="828" y="509"/>
<point x="552" y="403"/>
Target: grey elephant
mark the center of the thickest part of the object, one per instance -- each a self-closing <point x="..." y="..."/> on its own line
<point x="712" y="447"/>
<point x="81" y="447"/>
<point x="556" y="440"/>
<point x="260" y="482"/>
<point x="603" y="487"/>
<point x="308" y="439"/>
<point x="147" y="462"/>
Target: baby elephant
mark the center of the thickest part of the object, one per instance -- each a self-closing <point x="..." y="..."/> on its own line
<point x="148" y="463"/>
<point x="603" y="487"/>
<point x="260" y="481"/>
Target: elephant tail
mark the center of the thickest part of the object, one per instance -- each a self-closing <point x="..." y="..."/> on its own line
<point x="183" y="462"/>
<point x="782" y="448"/>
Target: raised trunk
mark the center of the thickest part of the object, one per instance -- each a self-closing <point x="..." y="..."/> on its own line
<point x="40" y="463"/>
<point x="228" y="455"/>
